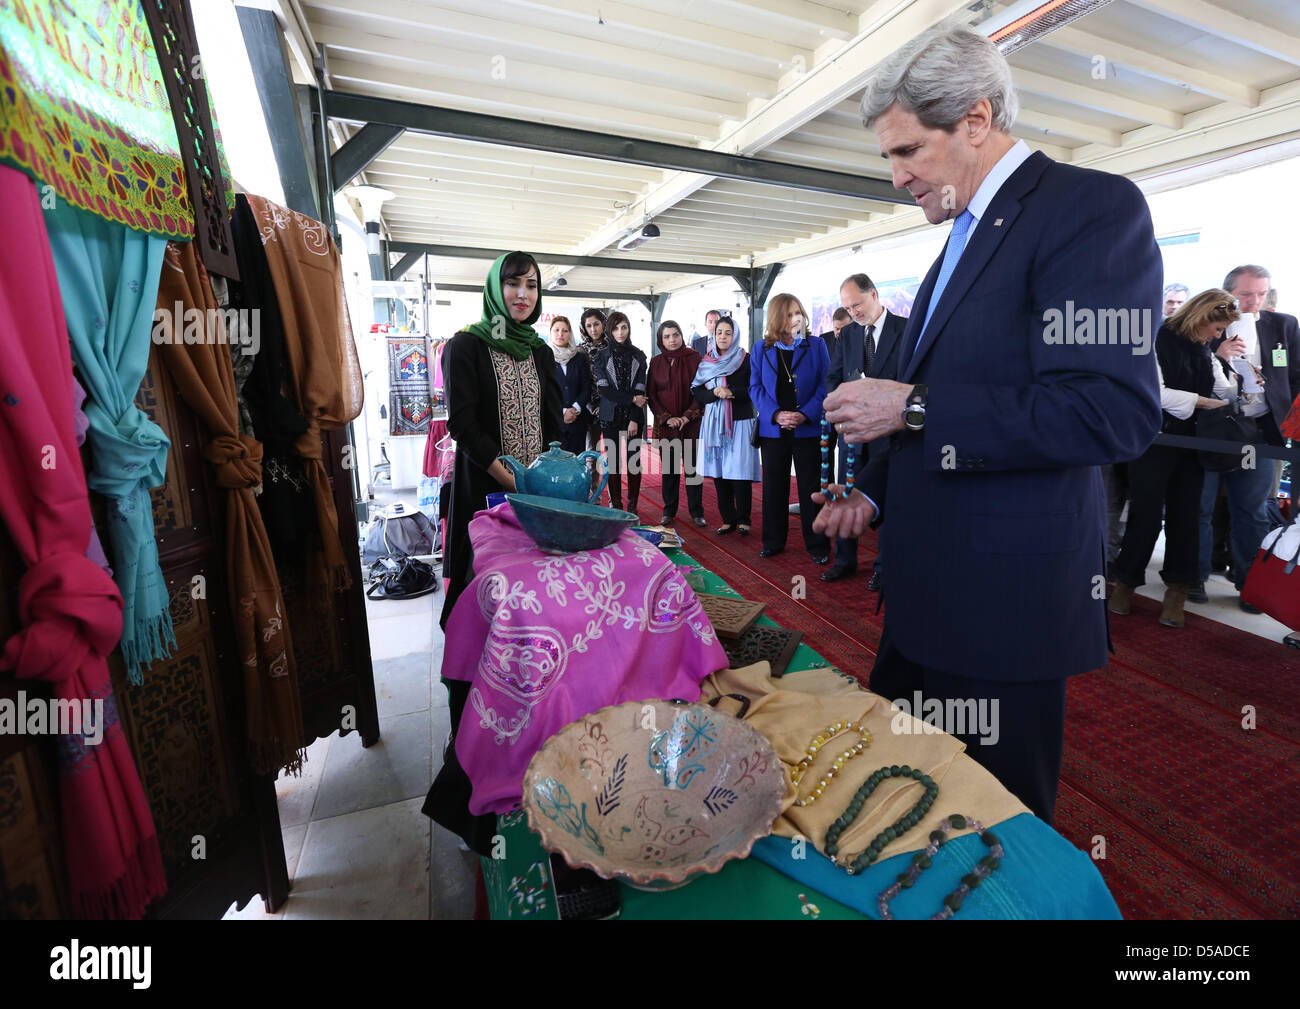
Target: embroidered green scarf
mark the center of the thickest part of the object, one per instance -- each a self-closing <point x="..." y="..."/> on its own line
<point x="497" y="329"/>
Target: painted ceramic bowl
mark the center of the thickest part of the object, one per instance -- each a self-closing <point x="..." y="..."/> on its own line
<point x="565" y="527"/>
<point x="654" y="793"/>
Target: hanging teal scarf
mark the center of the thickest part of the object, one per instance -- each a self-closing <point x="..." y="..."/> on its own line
<point x="108" y="277"/>
<point x="497" y="329"/>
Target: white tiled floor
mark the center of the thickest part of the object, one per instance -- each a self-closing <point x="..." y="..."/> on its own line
<point x="355" y="840"/>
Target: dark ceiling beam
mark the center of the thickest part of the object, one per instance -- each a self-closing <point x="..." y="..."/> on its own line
<point x="355" y="156"/>
<point x="489" y="129"/>
<point x="405" y="263"/>
<point x="559" y="292"/>
<point x="557" y="259"/>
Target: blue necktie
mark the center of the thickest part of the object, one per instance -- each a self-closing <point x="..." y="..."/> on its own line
<point x="956" y="244"/>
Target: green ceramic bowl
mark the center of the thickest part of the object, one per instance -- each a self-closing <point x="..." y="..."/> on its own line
<point x="565" y="527"/>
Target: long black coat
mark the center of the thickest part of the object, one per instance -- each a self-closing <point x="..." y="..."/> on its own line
<point x="474" y="421"/>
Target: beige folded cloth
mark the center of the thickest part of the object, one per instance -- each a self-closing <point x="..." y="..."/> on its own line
<point x="793" y="709"/>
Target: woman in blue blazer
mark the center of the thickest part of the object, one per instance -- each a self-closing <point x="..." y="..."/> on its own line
<point x="787" y="384"/>
<point x="574" y="373"/>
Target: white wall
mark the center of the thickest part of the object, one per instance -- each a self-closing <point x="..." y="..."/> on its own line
<point x="1246" y="217"/>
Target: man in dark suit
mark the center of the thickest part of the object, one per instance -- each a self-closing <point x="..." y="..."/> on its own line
<point x="866" y="346"/>
<point x="991" y="497"/>
<point x="701" y="343"/>
<point x="1275" y="351"/>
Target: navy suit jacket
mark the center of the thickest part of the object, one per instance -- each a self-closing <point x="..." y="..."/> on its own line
<point x="809" y="364"/>
<point x="576" y="386"/>
<point x="996" y="514"/>
<point x="846" y="366"/>
<point x="1281" y="382"/>
<point x="846" y="356"/>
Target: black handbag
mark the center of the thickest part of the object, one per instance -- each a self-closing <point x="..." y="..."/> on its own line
<point x="402" y="578"/>
<point x="1224" y="423"/>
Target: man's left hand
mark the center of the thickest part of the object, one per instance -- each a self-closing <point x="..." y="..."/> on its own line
<point x="867" y="409"/>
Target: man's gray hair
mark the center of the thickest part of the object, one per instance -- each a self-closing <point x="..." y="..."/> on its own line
<point x="939" y="75"/>
<point x="1249" y="270"/>
<point x="1172" y="288"/>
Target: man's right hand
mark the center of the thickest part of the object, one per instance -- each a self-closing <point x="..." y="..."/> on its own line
<point x="1230" y="348"/>
<point x="848" y="519"/>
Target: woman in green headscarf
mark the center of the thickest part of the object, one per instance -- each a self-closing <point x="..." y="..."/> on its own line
<point x="502" y="399"/>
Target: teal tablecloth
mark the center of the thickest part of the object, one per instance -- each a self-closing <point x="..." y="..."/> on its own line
<point x="1041" y="876"/>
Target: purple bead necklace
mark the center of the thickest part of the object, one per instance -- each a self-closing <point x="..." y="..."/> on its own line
<point x="921" y="861"/>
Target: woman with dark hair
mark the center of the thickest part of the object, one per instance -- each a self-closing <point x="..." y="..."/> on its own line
<point x="620" y="379"/>
<point x="727" y="451"/>
<point x="677" y="419"/>
<point x="592" y="326"/>
<point x="574" y="373"/>
<point x="1167" y="481"/>
<point x="503" y="398"/>
<point x="788" y="383"/>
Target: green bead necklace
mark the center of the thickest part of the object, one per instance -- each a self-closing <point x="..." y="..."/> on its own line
<point x="905" y="823"/>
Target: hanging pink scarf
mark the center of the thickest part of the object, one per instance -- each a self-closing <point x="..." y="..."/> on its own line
<point x="71" y="610"/>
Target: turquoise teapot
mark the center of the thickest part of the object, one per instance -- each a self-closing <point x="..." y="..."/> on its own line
<point x="557" y="473"/>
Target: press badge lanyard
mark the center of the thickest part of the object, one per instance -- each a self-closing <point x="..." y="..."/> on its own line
<point x="1279" y="355"/>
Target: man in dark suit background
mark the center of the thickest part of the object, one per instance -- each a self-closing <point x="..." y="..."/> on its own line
<point x="1275" y="351"/>
<point x="701" y="343"/>
<point x="990" y="496"/>
<point x="866" y="346"/>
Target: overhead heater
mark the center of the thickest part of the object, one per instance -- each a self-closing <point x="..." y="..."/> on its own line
<point x="1028" y="21"/>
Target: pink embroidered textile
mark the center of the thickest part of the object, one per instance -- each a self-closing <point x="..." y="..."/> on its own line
<point x="544" y="639"/>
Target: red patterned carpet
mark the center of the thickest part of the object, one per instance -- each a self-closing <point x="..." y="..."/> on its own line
<point x="1194" y="810"/>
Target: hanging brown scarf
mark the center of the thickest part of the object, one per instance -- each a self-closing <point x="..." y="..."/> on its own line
<point x="205" y="378"/>
<point x="308" y="275"/>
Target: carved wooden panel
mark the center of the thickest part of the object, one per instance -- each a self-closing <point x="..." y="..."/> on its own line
<point x="171" y="507"/>
<point x="177" y="49"/>
<point x="33" y="881"/>
<point x="730" y="616"/>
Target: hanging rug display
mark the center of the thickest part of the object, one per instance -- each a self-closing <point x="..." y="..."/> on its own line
<point x="410" y="404"/>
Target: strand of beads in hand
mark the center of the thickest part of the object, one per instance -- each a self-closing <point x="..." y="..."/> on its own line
<point x="826" y="466"/>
